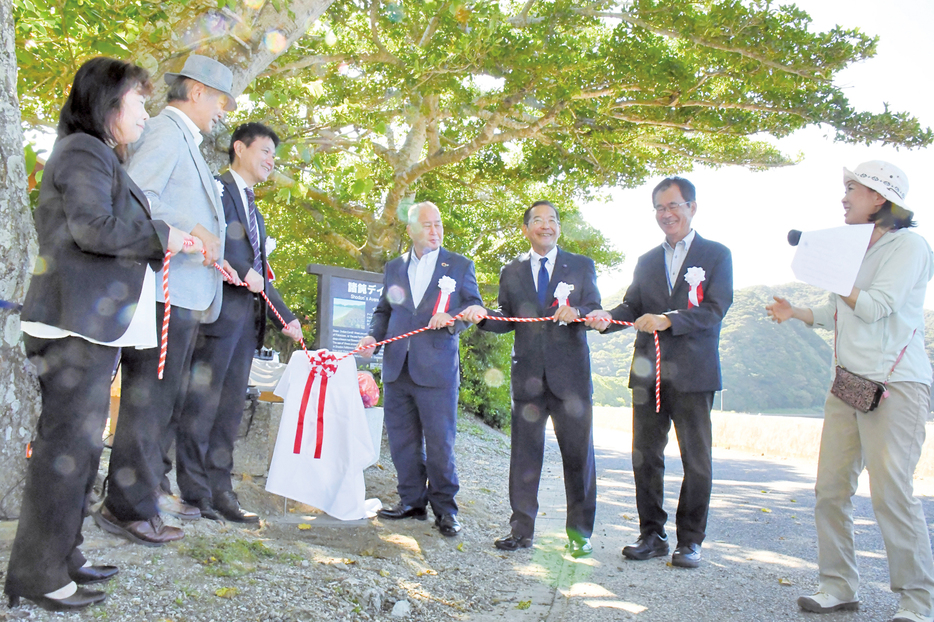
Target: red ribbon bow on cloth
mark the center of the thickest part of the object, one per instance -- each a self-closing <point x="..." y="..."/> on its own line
<point x="323" y="364"/>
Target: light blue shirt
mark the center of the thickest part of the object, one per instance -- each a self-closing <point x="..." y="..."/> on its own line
<point x="674" y="257"/>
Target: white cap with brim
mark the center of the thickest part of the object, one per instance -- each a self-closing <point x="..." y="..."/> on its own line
<point x="886" y="179"/>
<point x="209" y="72"/>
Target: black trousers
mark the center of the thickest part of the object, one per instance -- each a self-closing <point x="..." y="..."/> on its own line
<point x="210" y="418"/>
<point x="74" y="377"/>
<point x="690" y="413"/>
<point x="573" y="423"/>
<point x="147" y="405"/>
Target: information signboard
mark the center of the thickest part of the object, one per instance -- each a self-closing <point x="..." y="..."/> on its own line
<point x="346" y="301"/>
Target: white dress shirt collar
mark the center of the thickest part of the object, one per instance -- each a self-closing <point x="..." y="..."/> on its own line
<point x="194" y="129"/>
<point x="535" y="261"/>
<point x="420" y="271"/>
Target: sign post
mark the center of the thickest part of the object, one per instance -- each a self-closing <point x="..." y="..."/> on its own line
<point x="346" y="301"/>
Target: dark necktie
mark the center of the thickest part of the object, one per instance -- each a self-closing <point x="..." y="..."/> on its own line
<point x="542" y="281"/>
<point x="254" y="230"/>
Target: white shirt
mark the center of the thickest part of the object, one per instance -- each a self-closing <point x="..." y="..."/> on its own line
<point x="674" y="257"/>
<point x="420" y="271"/>
<point x="242" y="186"/>
<point x="535" y="261"/>
<point x="140" y="334"/>
<point x="194" y="129"/>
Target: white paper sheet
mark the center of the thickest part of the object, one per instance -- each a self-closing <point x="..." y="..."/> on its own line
<point x="830" y="258"/>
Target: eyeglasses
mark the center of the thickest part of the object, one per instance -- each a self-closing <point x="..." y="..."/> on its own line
<point x="538" y="221"/>
<point x="671" y="207"/>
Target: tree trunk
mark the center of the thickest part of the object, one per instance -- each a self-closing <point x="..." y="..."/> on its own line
<point x="19" y="389"/>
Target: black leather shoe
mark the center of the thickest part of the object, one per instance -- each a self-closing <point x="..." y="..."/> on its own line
<point x="207" y="510"/>
<point x="448" y="525"/>
<point x="93" y="574"/>
<point x="513" y="542"/>
<point x="687" y="556"/>
<point x="580" y="548"/>
<point x="79" y="600"/>
<point x="647" y="547"/>
<point x="399" y="511"/>
<point x="229" y="507"/>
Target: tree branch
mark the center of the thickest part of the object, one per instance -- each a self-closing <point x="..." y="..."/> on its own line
<point x="629" y="18"/>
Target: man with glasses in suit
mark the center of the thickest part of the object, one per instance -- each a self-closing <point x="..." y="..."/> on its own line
<point x="681" y="290"/>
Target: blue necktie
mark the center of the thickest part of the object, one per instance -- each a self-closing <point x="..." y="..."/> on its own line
<point x="542" y="281"/>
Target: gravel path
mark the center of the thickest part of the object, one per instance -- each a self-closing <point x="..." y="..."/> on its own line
<point x="303" y="566"/>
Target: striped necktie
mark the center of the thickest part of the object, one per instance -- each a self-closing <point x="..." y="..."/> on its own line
<point x="254" y="230"/>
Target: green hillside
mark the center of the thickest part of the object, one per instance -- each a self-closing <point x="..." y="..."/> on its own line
<point x="766" y="366"/>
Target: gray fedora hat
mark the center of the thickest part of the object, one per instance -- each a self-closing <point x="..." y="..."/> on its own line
<point x="209" y="72"/>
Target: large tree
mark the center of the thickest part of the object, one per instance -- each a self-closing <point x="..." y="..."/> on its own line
<point x="484" y="104"/>
<point x="19" y="402"/>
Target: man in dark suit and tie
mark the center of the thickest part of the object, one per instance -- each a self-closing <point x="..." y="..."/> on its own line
<point x="681" y="289"/>
<point x="550" y="376"/>
<point x="421" y="374"/>
<point x="220" y="365"/>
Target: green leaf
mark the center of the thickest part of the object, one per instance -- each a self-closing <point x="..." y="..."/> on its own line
<point x="30" y="155"/>
<point x="358" y="187"/>
<point x="271" y="99"/>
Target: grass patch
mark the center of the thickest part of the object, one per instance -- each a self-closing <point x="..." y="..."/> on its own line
<point x="228" y="558"/>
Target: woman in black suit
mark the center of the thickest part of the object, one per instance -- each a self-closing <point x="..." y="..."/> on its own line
<point x="92" y="292"/>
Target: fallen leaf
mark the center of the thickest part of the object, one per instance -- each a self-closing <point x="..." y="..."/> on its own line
<point x="227" y="592"/>
<point x="384" y="573"/>
<point x="460" y="546"/>
<point x="784" y="581"/>
<point x="524" y="604"/>
<point x="766" y="510"/>
<point x="304" y="527"/>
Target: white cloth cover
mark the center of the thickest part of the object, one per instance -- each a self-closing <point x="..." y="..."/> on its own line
<point x="334" y="483"/>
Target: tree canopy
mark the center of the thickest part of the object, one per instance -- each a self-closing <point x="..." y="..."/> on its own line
<point x="480" y="106"/>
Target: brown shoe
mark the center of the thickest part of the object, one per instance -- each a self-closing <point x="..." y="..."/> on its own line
<point x="150" y="532"/>
<point x="173" y="506"/>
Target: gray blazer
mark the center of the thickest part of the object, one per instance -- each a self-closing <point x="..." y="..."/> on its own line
<point x="170" y="169"/>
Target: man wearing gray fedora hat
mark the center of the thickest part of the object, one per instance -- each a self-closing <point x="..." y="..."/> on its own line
<point x="167" y="164"/>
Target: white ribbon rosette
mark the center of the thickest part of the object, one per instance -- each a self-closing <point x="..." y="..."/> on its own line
<point x="694" y="277"/>
<point x="562" y="292"/>
<point x="447" y="285"/>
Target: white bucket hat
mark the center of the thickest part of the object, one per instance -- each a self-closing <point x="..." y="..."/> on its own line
<point x="886" y="179"/>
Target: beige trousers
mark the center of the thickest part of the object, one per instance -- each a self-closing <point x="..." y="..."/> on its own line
<point x="887" y="441"/>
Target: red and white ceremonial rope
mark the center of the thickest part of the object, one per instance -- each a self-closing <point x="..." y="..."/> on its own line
<point x="164" y="342"/>
<point x="658" y="352"/>
<point x="326" y="365"/>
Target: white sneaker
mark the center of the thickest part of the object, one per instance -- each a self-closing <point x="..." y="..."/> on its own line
<point x="822" y="602"/>
<point x="905" y="615"/>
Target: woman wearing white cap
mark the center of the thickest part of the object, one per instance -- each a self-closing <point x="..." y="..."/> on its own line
<point x="880" y="337"/>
